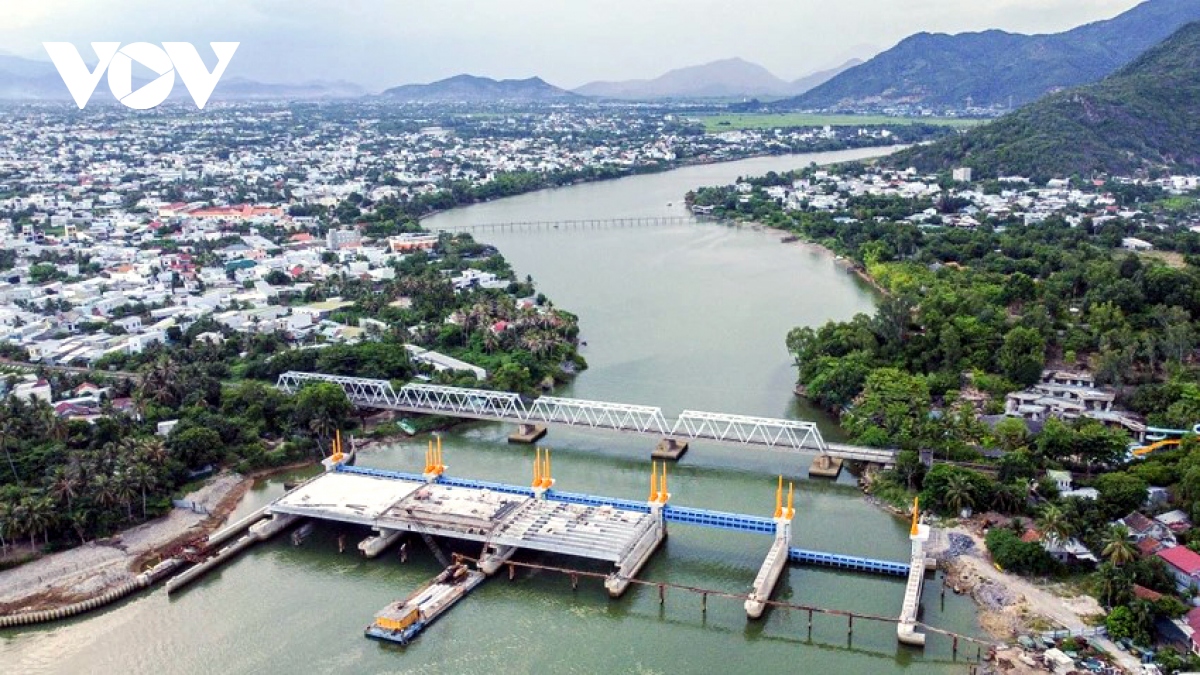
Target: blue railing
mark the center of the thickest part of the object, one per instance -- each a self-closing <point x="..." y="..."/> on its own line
<point x="379" y="473"/>
<point x="723" y="521"/>
<point x="847" y="562"/>
<point x="592" y="500"/>
<point x="485" y="485"/>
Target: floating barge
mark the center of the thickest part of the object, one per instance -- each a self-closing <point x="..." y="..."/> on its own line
<point x="403" y="620"/>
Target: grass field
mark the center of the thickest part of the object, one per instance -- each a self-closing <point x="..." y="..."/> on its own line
<point x="735" y="121"/>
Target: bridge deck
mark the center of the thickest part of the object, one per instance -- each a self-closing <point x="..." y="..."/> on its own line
<point x="479" y="404"/>
<point x="589" y="526"/>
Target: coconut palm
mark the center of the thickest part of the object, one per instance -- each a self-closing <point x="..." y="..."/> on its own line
<point x="1054" y="525"/>
<point x="66" y="483"/>
<point x="39" y="517"/>
<point x="1117" y="547"/>
<point x="959" y="493"/>
<point x="142" y="478"/>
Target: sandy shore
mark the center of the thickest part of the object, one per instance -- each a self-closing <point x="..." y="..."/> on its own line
<point x="845" y="263"/>
<point x="98" y="566"/>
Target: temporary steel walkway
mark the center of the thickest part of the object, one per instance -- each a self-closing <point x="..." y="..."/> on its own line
<point x="682" y="515"/>
<point x="501" y="406"/>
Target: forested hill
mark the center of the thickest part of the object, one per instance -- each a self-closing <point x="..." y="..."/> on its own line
<point x="1146" y="115"/>
<point x="996" y="68"/>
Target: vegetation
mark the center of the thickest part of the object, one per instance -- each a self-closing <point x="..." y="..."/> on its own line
<point x="998" y="69"/>
<point x="1146" y="115"/>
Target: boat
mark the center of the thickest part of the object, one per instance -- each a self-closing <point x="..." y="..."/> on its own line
<point x="407" y="427"/>
<point x="403" y="620"/>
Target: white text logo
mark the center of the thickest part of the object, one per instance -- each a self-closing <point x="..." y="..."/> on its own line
<point x="172" y="57"/>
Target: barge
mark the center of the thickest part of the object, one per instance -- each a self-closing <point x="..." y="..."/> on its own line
<point x="403" y="620"/>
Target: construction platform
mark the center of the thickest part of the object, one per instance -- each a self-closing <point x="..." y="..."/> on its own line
<point x="504" y="518"/>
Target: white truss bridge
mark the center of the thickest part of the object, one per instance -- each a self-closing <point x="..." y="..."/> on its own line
<point x="499" y="406"/>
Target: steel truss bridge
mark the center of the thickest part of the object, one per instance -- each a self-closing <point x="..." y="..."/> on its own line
<point x="499" y="406"/>
<point x="590" y="223"/>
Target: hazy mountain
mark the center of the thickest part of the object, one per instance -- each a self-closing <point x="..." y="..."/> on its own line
<point x="472" y="89"/>
<point x="242" y="89"/>
<point x="1145" y="115"/>
<point x="999" y="68"/>
<point x="728" y="78"/>
<point x="820" y="77"/>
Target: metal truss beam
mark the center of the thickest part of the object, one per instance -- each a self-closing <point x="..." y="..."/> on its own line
<point x="749" y="430"/>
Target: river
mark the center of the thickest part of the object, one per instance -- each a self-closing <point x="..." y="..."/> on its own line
<point x="683" y="317"/>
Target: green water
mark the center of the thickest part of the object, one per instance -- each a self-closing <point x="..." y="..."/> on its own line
<point x="685" y="317"/>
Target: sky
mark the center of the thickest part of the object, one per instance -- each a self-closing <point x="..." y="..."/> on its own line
<point x="383" y="43"/>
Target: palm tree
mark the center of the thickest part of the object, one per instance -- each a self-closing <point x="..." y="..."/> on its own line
<point x="142" y="478"/>
<point x="7" y="524"/>
<point x="66" y="483"/>
<point x="1055" y="527"/>
<point x="959" y="493"/>
<point x="124" y="490"/>
<point x="39" y="517"/>
<point x="1117" y="547"/>
<point x="9" y="425"/>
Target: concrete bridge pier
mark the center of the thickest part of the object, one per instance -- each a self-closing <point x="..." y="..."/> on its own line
<point x="906" y="629"/>
<point x="825" y="466"/>
<point x="776" y="560"/>
<point x="494" y="557"/>
<point x="527" y="433"/>
<point x="669" y="448"/>
<point x="373" y="546"/>
<point x="639" y="553"/>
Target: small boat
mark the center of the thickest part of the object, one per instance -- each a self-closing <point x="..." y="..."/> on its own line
<point x="407" y="427"/>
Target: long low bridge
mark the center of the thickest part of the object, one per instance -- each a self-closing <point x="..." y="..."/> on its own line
<point x="578" y="224"/>
<point x="499" y="406"/>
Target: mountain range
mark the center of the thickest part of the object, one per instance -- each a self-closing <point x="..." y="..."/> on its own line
<point x="995" y="68"/>
<point x="474" y="89"/>
<point x="728" y="78"/>
<point x="1146" y="115"/>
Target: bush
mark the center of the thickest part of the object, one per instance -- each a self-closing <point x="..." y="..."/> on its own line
<point x="1019" y="557"/>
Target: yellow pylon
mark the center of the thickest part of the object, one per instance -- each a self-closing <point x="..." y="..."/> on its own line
<point x="791" y="512"/>
<point x="663" y="494"/>
<point x="537" y="468"/>
<point x="547" y="474"/>
<point x="441" y="465"/>
<point x="916" y="516"/>
<point x="653" y="482"/>
<point x="779" y="498"/>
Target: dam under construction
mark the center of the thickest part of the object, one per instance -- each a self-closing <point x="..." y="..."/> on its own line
<point x="505" y="519"/>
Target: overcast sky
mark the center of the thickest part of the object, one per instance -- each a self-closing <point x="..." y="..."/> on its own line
<point x="382" y="43"/>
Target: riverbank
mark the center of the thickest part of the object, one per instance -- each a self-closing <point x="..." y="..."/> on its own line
<point x="92" y="569"/>
<point x="798" y="239"/>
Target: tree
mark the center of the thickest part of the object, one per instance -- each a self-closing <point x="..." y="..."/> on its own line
<point x="1117" y="547"/>
<point x="1010" y="433"/>
<point x="959" y="494"/>
<point x="892" y="409"/>
<point x="1120" y="493"/>
<point x="1054" y="525"/>
<point x="322" y="408"/>
<point x="193" y="446"/>
<point x="1022" y="356"/>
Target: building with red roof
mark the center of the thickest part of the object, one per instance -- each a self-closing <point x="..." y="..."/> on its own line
<point x="1184" y="564"/>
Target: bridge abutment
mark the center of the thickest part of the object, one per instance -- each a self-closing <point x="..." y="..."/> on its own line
<point x="527" y="433"/>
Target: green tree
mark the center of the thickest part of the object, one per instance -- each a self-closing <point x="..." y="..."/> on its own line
<point x="322" y="408"/>
<point x="1117" y="547"/>
<point x="1022" y="356"/>
<point x="892" y="409"/>
<point x="1055" y="526"/>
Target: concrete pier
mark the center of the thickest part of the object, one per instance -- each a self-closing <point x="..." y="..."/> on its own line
<point x="494" y="558"/>
<point x="631" y="563"/>
<point x="669" y="448"/>
<point x="768" y="576"/>
<point x="906" y="630"/>
<point x="373" y="546"/>
<point x="527" y="433"/>
<point x="825" y="466"/>
<point x="259" y="531"/>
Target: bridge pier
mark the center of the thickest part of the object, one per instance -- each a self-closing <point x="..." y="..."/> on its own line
<point x="527" y="433"/>
<point x="669" y="448"/>
<point x="639" y="554"/>
<point x="825" y="466"/>
<point x="771" y="570"/>
<point x="494" y="557"/>
<point x="906" y="629"/>
<point x="373" y="546"/>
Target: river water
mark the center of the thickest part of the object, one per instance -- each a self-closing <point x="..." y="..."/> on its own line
<point x="683" y="317"/>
